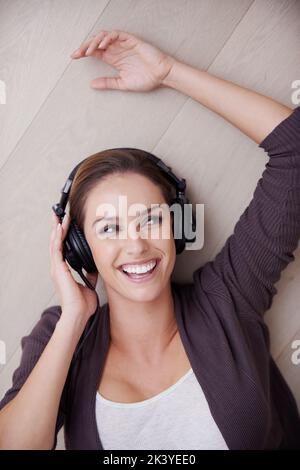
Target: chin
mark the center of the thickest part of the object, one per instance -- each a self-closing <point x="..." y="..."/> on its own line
<point x="143" y="295"/>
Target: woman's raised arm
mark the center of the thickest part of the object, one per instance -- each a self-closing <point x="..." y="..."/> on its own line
<point x="268" y="231"/>
<point x="254" y="114"/>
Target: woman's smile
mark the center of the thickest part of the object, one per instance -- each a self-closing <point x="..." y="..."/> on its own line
<point x="141" y="277"/>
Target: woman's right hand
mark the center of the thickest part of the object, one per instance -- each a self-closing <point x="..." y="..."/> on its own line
<point x="141" y="66"/>
<point x="77" y="301"/>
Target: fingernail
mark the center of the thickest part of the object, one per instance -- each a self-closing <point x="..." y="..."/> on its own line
<point x="58" y="227"/>
<point x="75" y="53"/>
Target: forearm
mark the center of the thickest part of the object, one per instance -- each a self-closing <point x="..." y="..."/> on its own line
<point x="254" y="114"/>
<point x="29" y="420"/>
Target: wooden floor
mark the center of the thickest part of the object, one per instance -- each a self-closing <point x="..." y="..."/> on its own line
<point x="52" y="119"/>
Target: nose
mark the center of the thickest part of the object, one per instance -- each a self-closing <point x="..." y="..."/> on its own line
<point x="135" y="244"/>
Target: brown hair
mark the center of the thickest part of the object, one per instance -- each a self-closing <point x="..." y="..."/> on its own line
<point x="99" y="165"/>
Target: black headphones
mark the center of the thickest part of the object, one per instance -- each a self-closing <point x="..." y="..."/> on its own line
<point x="75" y="247"/>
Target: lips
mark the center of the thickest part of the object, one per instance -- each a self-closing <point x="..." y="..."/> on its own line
<point x="138" y="263"/>
<point x="138" y="278"/>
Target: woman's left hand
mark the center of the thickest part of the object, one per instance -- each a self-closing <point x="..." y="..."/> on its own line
<point x="141" y="66"/>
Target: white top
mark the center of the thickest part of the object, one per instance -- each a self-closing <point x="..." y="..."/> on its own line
<point x="177" y="418"/>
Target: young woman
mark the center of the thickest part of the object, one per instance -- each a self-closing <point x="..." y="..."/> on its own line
<point x="167" y="366"/>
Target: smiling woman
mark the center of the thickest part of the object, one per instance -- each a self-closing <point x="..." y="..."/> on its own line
<point x="101" y="181"/>
<point x="165" y="365"/>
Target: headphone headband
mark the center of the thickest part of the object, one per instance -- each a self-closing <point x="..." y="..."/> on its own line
<point x="178" y="183"/>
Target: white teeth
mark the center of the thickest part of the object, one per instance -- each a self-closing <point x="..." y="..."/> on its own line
<point x="140" y="269"/>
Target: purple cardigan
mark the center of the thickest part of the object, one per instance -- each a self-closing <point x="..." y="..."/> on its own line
<point x="220" y="321"/>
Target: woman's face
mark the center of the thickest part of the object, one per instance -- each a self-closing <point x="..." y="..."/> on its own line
<point x="130" y="237"/>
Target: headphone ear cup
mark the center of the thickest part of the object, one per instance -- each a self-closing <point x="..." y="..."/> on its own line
<point x="177" y="221"/>
<point x="180" y="245"/>
<point x="77" y="251"/>
<point x="188" y="231"/>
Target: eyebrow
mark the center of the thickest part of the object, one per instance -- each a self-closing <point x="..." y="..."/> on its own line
<point x="149" y="209"/>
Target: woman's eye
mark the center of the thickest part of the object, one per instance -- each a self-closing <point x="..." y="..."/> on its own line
<point x="109" y="229"/>
<point x="104" y="229"/>
<point x="156" y="218"/>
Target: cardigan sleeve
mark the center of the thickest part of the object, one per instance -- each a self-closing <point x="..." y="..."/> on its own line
<point x="268" y="231"/>
<point x="32" y="348"/>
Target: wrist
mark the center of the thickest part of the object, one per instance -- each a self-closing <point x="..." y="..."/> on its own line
<point x="71" y="326"/>
<point x="170" y="78"/>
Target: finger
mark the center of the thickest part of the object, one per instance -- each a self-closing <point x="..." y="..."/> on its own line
<point x="124" y="36"/>
<point x="52" y="245"/>
<point x="55" y="219"/>
<point x="80" y="52"/>
<point x="105" y="83"/>
<point x="97" y="53"/>
<point x="53" y="233"/>
<point x="52" y="236"/>
<point x="58" y="260"/>
<point x="104" y="40"/>
<point x="95" y="43"/>
<point x="108" y="39"/>
<point x="57" y="243"/>
<point x="65" y="225"/>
